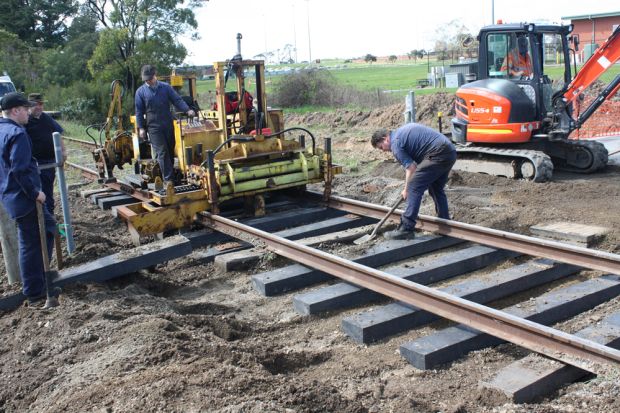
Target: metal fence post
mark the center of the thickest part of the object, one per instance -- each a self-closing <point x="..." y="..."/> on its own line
<point x="410" y="107"/>
<point x="62" y="189"/>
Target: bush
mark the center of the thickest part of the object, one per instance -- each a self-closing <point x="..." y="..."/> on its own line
<point x="316" y="87"/>
<point x="84" y="102"/>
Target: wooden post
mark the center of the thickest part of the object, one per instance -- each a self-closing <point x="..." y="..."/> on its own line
<point x="8" y="240"/>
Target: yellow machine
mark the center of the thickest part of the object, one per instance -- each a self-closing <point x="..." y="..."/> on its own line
<point x="238" y="149"/>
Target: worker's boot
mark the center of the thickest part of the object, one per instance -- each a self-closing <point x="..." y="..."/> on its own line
<point x="400" y="233"/>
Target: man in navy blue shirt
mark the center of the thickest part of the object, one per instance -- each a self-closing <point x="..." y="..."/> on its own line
<point x="20" y="190"/>
<point x="427" y="157"/>
<point x="40" y="127"/>
<point x="153" y="115"/>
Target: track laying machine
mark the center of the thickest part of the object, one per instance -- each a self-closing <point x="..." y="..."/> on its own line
<point x="237" y="149"/>
<point x="517" y="123"/>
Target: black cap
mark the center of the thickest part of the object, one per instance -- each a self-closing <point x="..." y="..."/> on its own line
<point x="36" y="97"/>
<point x="148" y="72"/>
<point x="14" y="100"/>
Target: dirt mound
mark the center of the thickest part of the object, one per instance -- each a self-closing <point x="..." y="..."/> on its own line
<point x="427" y="107"/>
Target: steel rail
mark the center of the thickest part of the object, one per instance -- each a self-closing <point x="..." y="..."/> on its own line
<point x="80" y="141"/>
<point x="553" y="343"/>
<point x="557" y="251"/>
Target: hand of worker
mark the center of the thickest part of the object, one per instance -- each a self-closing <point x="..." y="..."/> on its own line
<point x="405" y="193"/>
<point x="41" y="197"/>
<point x="191" y="113"/>
<point x="142" y="133"/>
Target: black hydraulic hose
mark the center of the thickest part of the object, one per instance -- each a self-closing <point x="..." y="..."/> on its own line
<point x="296" y="128"/>
<point x="94" y="125"/>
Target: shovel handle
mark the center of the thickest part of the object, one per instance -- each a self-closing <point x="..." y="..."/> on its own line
<point x="390" y="212"/>
<point x="42" y="235"/>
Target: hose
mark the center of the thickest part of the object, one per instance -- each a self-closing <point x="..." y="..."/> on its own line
<point x="296" y="128"/>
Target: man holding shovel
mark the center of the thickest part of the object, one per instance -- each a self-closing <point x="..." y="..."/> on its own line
<point x="427" y="157"/>
<point x="20" y="190"/>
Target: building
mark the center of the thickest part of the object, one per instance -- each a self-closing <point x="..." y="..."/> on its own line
<point x="593" y="29"/>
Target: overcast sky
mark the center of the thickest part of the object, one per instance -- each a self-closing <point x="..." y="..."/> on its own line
<point x="349" y="28"/>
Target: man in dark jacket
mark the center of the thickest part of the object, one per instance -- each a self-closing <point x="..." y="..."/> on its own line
<point x="153" y="100"/>
<point x="40" y="127"/>
<point x="427" y="157"/>
<point x="20" y="190"/>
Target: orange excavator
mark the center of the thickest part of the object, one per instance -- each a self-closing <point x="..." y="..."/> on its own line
<point x="517" y="122"/>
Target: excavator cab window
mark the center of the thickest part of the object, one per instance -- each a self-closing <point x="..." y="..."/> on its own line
<point x="553" y="60"/>
<point x="509" y="56"/>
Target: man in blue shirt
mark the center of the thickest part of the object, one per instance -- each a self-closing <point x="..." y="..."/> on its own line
<point x="20" y="190"/>
<point x="427" y="157"/>
<point x="153" y="115"/>
<point x="40" y="127"/>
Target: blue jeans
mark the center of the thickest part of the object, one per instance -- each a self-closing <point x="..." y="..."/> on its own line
<point x="432" y="174"/>
<point x="47" y="186"/>
<point x="30" y="256"/>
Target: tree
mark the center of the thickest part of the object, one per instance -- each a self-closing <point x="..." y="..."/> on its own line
<point x="136" y="32"/>
<point x="37" y="22"/>
<point x="82" y="37"/>
<point x="392" y="58"/>
<point x="370" y="58"/>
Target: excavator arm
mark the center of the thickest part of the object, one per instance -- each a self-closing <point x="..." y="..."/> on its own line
<point x="603" y="58"/>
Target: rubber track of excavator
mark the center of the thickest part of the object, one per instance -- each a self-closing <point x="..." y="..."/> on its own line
<point x="543" y="166"/>
<point x="597" y="149"/>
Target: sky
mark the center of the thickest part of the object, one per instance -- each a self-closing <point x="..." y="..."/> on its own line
<point x="323" y="29"/>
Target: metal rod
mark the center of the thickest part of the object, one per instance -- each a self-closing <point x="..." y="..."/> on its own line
<point x="62" y="189"/>
<point x="584" y="257"/>
<point x="556" y="344"/>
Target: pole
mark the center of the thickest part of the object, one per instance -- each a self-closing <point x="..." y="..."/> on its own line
<point x="309" y="46"/>
<point x="410" y="107"/>
<point x="492" y="11"/>
<point x="8" y="240"/>
<point x="62" y="189"/>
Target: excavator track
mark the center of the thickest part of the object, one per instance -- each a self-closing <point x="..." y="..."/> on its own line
<point x="511" y="163"/>
<point x="580" y="156"/>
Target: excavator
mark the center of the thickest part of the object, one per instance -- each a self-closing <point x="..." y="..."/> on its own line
<point x="518" y="124"/>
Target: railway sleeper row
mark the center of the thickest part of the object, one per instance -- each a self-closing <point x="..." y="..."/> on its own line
<point x="455" y="258"/>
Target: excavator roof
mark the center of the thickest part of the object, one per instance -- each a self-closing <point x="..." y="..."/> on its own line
<point x="528" y="27"/>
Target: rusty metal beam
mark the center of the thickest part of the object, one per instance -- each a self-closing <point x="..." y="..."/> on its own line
<point x="553" y="343"/>
<point x="583" y="257"/>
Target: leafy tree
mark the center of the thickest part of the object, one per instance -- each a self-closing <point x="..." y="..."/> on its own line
<point x="19" y="60"/>
<point x="37" y="22"/>
<point x="393" y="58"/>
<point x="370" y="58"/>
<point x="82" y="37"/>
<point x="136" y="32"/>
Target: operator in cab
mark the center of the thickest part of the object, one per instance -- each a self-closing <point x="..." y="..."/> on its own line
<point x="153" y="116"/>
<point x="428" y="157"/>
<point x="518" y="62"/>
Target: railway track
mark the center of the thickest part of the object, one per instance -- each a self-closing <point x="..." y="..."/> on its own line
<point x="454" y="249"/>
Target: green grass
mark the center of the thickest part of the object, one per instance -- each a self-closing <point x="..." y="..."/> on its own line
<point x="75" y="130"/>
<point x="398" y="77"/>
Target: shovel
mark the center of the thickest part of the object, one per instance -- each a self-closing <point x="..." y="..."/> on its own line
<point x="52" y="300"/>
<point x="373" y="234"/>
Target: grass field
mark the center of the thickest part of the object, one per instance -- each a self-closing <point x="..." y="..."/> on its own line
<point x="397" y="78"/>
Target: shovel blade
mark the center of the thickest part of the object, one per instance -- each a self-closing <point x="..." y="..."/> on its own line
<point x="363" y="240"/>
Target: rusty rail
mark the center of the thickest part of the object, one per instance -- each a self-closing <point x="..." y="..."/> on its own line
<point x="583" y="257"/>
<point x="556" y="344"/>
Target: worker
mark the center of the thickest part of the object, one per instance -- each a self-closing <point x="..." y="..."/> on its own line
<point x="518" y="62"/>
<point x="40" y="128"/>
<point x="153" y="101"/>
<point x="20" y="190"/>
<point x="427" y="157"/>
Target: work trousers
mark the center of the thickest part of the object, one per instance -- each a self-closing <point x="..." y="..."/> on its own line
<point x="162" y="141"/>
<point x="432" y="175"/>
<point x="30" y="257"/>
<point x="47" y="186"/>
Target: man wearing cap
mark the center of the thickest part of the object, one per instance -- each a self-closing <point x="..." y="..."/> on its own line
<point x="153" y="115"/>
<point x="20" y="190"/>
<point x="40" y="127"/>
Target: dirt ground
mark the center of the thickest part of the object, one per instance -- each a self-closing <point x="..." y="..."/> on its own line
<point x="190" y="338"/>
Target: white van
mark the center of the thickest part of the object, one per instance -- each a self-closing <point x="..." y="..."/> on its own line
<point x="6" y="86"/>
